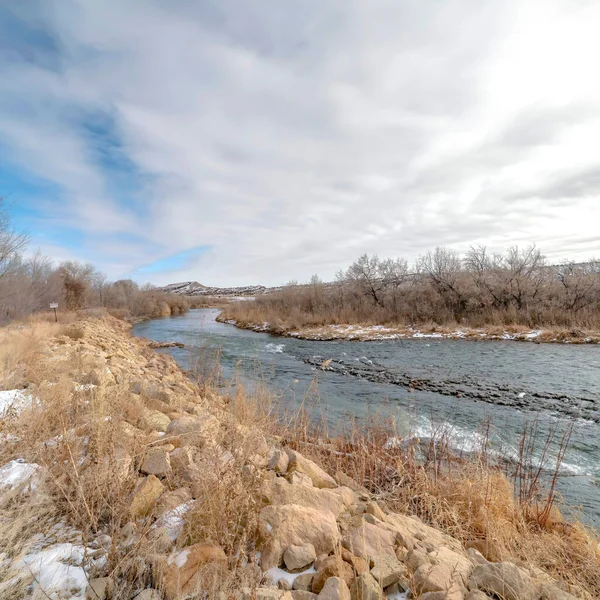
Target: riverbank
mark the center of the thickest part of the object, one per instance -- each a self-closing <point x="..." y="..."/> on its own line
<point x="366" y="333"/>
<point x="119" y="472"/>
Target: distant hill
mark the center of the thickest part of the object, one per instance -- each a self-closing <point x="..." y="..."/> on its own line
<point x="193" y="288"/>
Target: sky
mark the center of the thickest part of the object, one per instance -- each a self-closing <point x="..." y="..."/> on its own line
<point x="234" y="142"/>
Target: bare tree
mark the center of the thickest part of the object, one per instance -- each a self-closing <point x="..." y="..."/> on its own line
<point x="365" y="273"/>
<point x="12" y="243"/>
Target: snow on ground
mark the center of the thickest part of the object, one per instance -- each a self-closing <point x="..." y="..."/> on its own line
<point x="14" y="401"/>
<point x="173" y="521"/>
<point x="18" y="472"/>
<point x="275" y="573"/>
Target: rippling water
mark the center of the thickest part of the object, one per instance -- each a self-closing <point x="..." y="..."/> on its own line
<point x="426" y="384"/>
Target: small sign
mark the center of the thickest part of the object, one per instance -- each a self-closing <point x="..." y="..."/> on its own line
<point x="54" y="305"/>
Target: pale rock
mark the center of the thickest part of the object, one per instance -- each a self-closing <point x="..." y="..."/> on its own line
<point x="181" y="458"/>
<point x="303" y="595"/>
<point x="364" y="587"/>
<point x="170" y="500"/>
<point x="368" y="540"/>
<point x="284" y="584"/>
<point x="266" y="594"/>
<point x="387" y="570"/>
<point x="372" y="508"/>
<point x="156" y="462"/>
<point x="149" y="594"/>
<point x="332" y="566"/>
<point x="279" y="461"/>
<point x="118" y="464"/>
<point x="335" y="589"/>
<point x="297" y="558"/>
<point x="303" y="582"/>
<point x="154" y="419"/>
<point x="255" y="444"/>
<point x="99" y="588"/>
<point x="194" y="429"/>
<point x="410" y="529"/>
<point x="279" y="492"/>
<point x="439" y="596"/>
<point x="184" y="573"/>
<point x="415" y="559"/>
<point x="505" y="580"/>
<point x="319" y="477"/>
<point x="447" y="572"/>
<point x="160" y="539"/>
<point x="358" y="564"/>
<point x="476" y="595"/>
<point x="292" y="525"/>
<point x="300" y="479"/>
<point x="347" y="481"/>
<point x="476" y="557"/>
<point x="145" y="495"/>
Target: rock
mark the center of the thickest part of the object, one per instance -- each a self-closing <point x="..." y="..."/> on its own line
<point x="197" y="567"/>
<point x="99" y="588"/>
<point x="157" y="463"/>
<point x="448" y="572"/>
<point x="181" y="459"/>
<point x="505" y="580"/>
<point x="332" y="566"/>
<point x="368" y="540"/>
<point x="149" y="594"/>
<point x="279" y="492"/>
<point x="416" y="558"/>
<point x="388" y="570"/>
<point x="436" y="596"/>
<point x="194" y="429"/>
<point x="292" y="525"/>
<point x="170" y="500"/>
<point x="335" y="589"/>
<point x="299" y="463"/>
<point x="298" y="558"/>
<point x="476" y="557"/>
<point x="303" y="582"/>
<point x="303" y="595"/>
<point x="265" y="594"/>
<point x="145" y="495"/>
<point x="373" y="509"/>
<point x="358" y="564"/>
<point x="255" y="444"/>
<point x="476" y="595"/>
<point x="284" y="584"/>
<point x="553" y="592"/>
<point x="154" y="419"/>
<point x="365" y="587"/>
<point x="279" y="461"/>
<point x="160" y="539"/>
<point x="117" y="464"/>
<point x="300" y="479"/>
<point x="487" y="548"/>
<point x="346" y="481"/>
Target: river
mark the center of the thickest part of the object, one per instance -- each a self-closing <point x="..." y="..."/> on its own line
<point x="427" y="385"/>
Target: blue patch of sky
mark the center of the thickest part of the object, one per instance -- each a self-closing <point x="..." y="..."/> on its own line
<point x="174" y="262"/>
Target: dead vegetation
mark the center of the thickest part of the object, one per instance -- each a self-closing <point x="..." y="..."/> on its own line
<point x="100" y="398"/>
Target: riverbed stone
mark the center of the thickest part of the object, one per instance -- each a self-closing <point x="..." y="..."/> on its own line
<point x="335" y="588"/>
<point x="319" y="477"/>
<point x="297" y="558"/>
<point x="368" y="540"/>
<point x="506" y="580"/>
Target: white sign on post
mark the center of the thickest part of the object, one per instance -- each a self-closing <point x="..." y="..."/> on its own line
<point x="54" y="305"/>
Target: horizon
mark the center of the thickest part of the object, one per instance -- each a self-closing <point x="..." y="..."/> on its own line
<point x="238" y="145"/>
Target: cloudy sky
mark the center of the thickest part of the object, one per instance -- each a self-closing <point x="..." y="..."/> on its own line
<point x="236" y="142"/>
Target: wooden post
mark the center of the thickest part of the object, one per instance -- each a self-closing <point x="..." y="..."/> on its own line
<point x="54" y="306"/>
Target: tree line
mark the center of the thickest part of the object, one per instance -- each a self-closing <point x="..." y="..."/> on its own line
<point x="29" y="284"/>
<point x="476" y="289"/>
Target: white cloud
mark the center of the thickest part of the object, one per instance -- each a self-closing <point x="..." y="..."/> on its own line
<point x="292" y="137"/>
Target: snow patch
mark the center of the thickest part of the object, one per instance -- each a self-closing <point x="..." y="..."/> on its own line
<point x="179" y="558"/>
<point x="275" y="573"/>
<point x="14" y="401"/>
<point x="173" y="521"/>
<point x="17" y="472"/>
<point x="274" y="348"/>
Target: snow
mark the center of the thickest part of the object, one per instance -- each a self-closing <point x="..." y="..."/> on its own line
<point x="275" y="573"/>
<point x="57" y="571"/>
<point x="14" y="401"/>
<point x="179" y="558"/>
<point x="173" y="521"/>
<point x="17" y="472"/>
<point x="398" y="595"/>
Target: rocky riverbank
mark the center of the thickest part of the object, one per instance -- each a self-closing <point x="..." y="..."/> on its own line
<point x="121" y="478"/>
<point x="367" y="333"/>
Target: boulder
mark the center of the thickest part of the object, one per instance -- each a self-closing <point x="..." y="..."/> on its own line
<point x="358" y="564"/>
<point x="335" y="589"/>
<point x="145" y="495"/>
<point x="447" y="572"/>
<point x="364" y="587"/>
<point x="279" y="492"/>
<point x="156" y="462"/>
<point x="194" y="429"/>
<point x="299" y="463"/>
<point x="185" y="573"/>
<point x="373" y="509"/>
<point x="303" y="582"/>
<point x="368" y="540"/>
<point x="279" y="461"/>
<point x="347" y="481"/>
<point x="170" y="500"/>
<point x="505" y="580"/>
<point x="476" y="595"/>
<point x="99" y="589"/>
<point x="300" y="479"/>
<point x="332" y="566"/>
<point x="298" y="558"/>
<point x="303" y="595"/>
<point x="154" y="419"/>
<point x="293" y="525"/>
<point x="387" y="570"/>
<point x="181" y="459"/>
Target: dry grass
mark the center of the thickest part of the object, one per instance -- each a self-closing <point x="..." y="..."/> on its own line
<point x="78" y="437"/>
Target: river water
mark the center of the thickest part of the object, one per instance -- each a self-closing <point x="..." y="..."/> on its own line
<point x="427" y="385"/>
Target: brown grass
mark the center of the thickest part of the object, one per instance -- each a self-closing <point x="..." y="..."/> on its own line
<point x="76" y="436"/>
